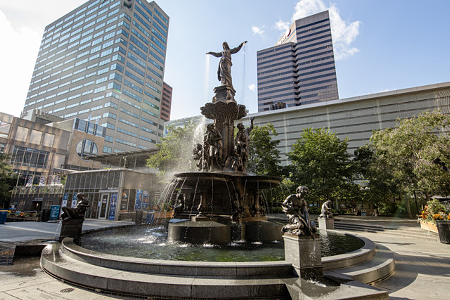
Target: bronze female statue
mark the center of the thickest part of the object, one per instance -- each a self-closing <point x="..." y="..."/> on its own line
<point x="224" y="70"/>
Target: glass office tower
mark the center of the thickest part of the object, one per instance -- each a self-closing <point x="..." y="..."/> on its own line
<point x="104" y="62"/>
<point x="300" y="68"/>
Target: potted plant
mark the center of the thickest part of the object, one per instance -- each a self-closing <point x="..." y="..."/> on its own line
<point x="443" y="227"/>
<point x="433" y="211"/>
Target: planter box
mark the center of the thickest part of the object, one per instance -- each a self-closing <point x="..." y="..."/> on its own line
<point x="428" y="226"/>
<point x="163" y="214"/>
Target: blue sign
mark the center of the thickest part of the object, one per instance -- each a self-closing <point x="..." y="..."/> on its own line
<point x="64" y="201"/>
<point x="112" y="207"/>
<point x="138" y="203"/>
<point x="145" y="199"/>
<point x="54" y="212"/>
<point x="74" y="200"/>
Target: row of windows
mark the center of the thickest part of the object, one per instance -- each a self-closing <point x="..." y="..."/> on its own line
<point x="300" y="89"/>
<point x="49" y="31"/>
<point x="100" y="80"/>
<point x="261" y="68"/>
<point x="300" y="36"/>
<point x="295" y="76"/>
<point x="63" y="36"/>
<point x="318" y="94"/>
<point x="279" y="100"/>
<point x="327" y="49"/>
<point x="300" y="69"/>
<point x="295" y="81"/>
<point x="82" y="54"/>
<point x="290" y="51"/>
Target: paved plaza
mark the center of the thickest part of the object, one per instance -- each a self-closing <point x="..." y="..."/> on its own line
<point x="422" y="262"/>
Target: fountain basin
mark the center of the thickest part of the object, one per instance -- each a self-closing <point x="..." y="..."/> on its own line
<point x="152" y="243"/>
<point x="198" y="279"/>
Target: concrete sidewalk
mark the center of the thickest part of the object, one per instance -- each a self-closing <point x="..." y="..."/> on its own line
<point x="28" y="231"/>
<point x="422" y="266"/>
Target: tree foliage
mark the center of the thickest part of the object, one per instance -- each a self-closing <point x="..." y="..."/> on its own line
<point x="175" y="151"/>
<point x="322" y="163"/>
<point x="264" y="157"/>
<point x="378" y="186"/>
<point x="7" y="180"/>
<point x="405" y="155"/>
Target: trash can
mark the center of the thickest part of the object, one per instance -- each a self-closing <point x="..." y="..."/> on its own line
<point x="3" y="216"/>
<point x="150" y="219"/>
<point x="45" y="216"/>
<point x="139" y="217"/>
<point x="443" y="228"/>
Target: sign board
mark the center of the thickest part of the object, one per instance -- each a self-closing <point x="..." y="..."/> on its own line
<point x="138" y="203"/>
<point x="74" y="200"/>
<point x="64" y="201"/>
<point x="145" y="195"/>
<point x="112" y="206"/>
<point x="54" y="212"/>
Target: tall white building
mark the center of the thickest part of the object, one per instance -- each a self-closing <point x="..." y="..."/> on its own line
<point x="104" y="62"/>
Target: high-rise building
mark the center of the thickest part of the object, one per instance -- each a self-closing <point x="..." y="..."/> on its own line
<point x="104" y="62"/>
<point x="166" y="102"/>
<point x="300" y="68"/>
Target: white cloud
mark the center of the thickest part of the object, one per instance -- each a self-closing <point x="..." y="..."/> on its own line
<point x="258" y="30"/>
<point x="305" y="8"/>
<point x="252" y="87"/>
<point x="343" y="32"/>
<point x="18" y="58"/>
<point x="283" y="26"/>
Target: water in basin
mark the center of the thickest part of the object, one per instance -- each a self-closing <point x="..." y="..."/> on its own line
<point x="151" y="242"/>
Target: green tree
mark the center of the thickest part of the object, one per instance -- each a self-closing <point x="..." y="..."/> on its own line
<point x="322" y="163"/>
<point x="263" y="155"/>
<point x="7" y="180"/>
<point x="377" y="184"/>
<point x="408" y="152"/>
<point x="175" y="151"/>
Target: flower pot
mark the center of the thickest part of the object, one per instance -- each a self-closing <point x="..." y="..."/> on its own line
<point x="443" y="228"/>
<point x="428" y="226"/>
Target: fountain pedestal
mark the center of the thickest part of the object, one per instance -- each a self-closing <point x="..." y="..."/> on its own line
<point x="304" y="253"/>
<point x="223" y="93"/>
<point x="326" y="223"/>
<point x="71" y="228"/>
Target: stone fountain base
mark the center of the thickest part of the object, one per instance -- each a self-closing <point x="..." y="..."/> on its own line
<point x="304" y="253"/>
<point x="212" y="230"/>
<point x="199" y="232"/>
<point x="198" y="280"/>
<point x="326" y="223"/>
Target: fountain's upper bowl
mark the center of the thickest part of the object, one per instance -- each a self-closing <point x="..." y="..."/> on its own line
<point x="260" y="182"/>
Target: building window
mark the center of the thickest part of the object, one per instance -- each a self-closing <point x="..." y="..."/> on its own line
<point x="86" y="148"/>
<point x="22" y="156"/>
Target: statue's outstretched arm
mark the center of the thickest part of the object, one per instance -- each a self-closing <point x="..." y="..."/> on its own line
<point x="236" y="50"/>
<point x="216" y="54"/>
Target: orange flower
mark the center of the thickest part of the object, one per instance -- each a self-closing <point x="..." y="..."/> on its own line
<point x="437" y="217"/>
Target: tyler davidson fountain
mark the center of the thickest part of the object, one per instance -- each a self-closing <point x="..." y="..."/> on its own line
<point x="219" y="205"/>
<point x="221" y="202"/>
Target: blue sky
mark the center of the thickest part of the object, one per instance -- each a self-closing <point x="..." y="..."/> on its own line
<point x="380" y="45"/>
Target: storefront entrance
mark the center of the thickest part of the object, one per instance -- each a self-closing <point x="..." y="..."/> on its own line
<point x="103" y="206"/>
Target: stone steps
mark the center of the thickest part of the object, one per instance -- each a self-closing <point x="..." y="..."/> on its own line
<point x="406" y="232"/>
<point x="380" y="267"/>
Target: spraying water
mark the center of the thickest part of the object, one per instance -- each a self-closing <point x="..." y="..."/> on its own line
<point x="244" y="73"/>
<point x="207" y="65"/>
